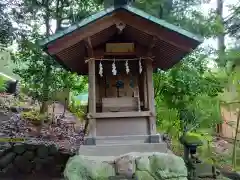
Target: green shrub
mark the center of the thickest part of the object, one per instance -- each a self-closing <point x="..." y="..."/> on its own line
<point x="77" y="109"/>
<point x="34" y="117"/>
<point x="193" y="138"/>
<point x="2" y="84"/>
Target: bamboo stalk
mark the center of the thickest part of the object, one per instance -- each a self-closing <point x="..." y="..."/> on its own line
<point x="227" y="103"/>
<point x="235" y="142"/>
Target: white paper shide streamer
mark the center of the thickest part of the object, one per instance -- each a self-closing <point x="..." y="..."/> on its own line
<point x="100" y="69"/>
<point x="114" y="69"/>
<point x="127" y="67"/>
<point x="140" y="66"/>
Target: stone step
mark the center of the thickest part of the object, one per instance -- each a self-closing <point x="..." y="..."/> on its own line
<point x="119" y="149"/>
<point x="103" y="141"/>
<point x="130" y="139"/>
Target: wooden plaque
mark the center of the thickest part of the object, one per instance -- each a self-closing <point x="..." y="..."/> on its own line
<point x="120" y="47"/>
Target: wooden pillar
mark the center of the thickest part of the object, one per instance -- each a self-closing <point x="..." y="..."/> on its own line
<point x="150" y="92"/>
<point x="145" y="90"/>
<point x="92" y="97"/>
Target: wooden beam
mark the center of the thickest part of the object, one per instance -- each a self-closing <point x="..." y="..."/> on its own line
<point x="81" y="34"/>
<point x="152" y="29"/>
<point x="121" y="114"/>
<point x="88" y="44"/>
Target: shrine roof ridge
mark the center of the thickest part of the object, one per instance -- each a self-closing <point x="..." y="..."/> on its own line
<point x="105" y="12"/>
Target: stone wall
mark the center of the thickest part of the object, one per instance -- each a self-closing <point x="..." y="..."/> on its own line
<point x="23" y="160"/>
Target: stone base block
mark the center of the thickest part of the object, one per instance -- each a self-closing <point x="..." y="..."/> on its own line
<point x="133" y="139"/>
<point x="119" y="149"/>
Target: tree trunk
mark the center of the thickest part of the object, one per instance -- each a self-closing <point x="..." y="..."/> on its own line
<point x="48" y="69"/>
<point x="45" y="89"/>
<point x="221" y="35"/>
<point x="235" y="142"/>
<point x="47" y="73"/>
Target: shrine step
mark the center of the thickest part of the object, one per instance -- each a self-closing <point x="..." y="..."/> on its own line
<point x="129" y="139"/>
<point x="119" y="149"/>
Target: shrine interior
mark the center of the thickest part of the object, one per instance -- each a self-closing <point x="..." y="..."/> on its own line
<point x="121" y="92"/>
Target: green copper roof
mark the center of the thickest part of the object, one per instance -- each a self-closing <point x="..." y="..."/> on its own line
<point x="110" y="10"/>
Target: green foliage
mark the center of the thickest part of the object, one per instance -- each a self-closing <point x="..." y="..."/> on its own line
<point x="233" y="21"/>
<point x="167" y="119"/>
<point x="77" y="109"/>
<point x="34" y="117"/>
<point x="6" y="27"/>
<point x="192" y="138"/>
<point x="40" y="74"/>
<point x="34" y="80"/>
<point x="2" y="84"/>
<point x="184" y="13"/>
<point x="207" y="110"/>
<point x="189" y="94"/>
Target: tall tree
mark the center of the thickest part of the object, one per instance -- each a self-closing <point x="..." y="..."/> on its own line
<point x="35" y="15"/>
<point x="221" y="35"/>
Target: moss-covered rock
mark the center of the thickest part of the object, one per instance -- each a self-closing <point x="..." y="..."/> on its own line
<point x="19" y="148"/>
<point x="7" y="159"/>
<point x="31" y="147"/>
<point x="84" y="168"/>
<point x="164" y="166"/>
<point x="52" y="149"/>
<point x="2" y="152"/>
<point x="9" y="170"/>
<point x="42" y="151"/>
<point x="143" y="175"/>
<point x="150" y="166"/>
<point x="29" y="155"/>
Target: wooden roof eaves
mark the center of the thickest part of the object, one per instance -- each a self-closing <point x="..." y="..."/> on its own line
<point x="60" y="62"/>
<point x="110" y="10"/>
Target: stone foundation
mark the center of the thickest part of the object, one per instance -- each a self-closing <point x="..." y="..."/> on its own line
<point x="129" y="139"/>
<point x="31" y="161"/>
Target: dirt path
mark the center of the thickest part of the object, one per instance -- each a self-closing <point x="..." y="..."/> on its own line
<point x="69" y="117"/>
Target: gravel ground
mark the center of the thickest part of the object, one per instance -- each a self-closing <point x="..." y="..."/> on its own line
<point x="65" y="137"/>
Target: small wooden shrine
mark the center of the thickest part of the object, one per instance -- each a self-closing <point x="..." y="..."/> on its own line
<point x="119" y="48"/>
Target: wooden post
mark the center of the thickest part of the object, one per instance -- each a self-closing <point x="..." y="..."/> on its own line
<point x="145" y="90"/>
<point x="92" y="97"/>
<point x="152" y="120"/>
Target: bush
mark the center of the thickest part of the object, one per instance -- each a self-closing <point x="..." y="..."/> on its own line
<point x="77" y="109"/>
<point x="34" y="117"/>
<point x="192" y="138"/>
<point x="2" y="85"/>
